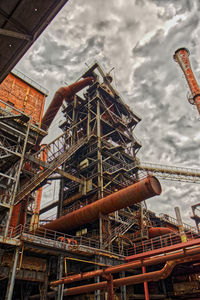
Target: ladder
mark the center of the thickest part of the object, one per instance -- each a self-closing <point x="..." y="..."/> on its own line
<point x="120" y="230"/>
<point x="51" y="167"/>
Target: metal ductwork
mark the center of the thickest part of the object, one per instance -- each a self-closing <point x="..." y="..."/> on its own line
<point x="172" y="260"/>
<point x="128" y="196"/>
<point x="64" y="93"/>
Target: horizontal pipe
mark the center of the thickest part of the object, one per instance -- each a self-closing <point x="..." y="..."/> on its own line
<point x="64" y="93"/>
<point x="130" y="195"/>
<point x="131" y="280"/>
<point x="125" y="267"/>
<point x="158" y="231"/>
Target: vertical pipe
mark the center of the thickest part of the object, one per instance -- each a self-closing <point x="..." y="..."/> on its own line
<point x="146" y="289"/>
<point x="110" y="287"/>
<point x="11" y="280"/>
<point x="35" y="217"/>
<point x="180" y="224"/>
<point x="17" y="180"/>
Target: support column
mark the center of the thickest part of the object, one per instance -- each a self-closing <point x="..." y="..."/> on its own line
<point x="123" y="288"/>
<point x="146" y="289"/>
<point x="60" y="274"/>
<point x="44" y="287"/>
<point x="99" y="156"/>
<point x="17" y="180"/>
<point x="180" y="224"/>
<point x="61" y="195"/>
<point x="99" y="160"/>
<point x="97" y="293"/>
<point x="11" y="278"/>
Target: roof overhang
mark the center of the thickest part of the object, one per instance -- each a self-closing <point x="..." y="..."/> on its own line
<point x="21" y="23"/>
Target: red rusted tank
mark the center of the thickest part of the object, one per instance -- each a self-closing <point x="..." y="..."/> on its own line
<point x="128" y="196"/>
<point x="157" y="231"/>
<point x="64" y="93"/>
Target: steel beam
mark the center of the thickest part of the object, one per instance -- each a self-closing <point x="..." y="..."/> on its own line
<point x="11" y="280"/>
<point x="17" y="35"/>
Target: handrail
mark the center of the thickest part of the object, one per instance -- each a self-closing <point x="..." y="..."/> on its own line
<point x="160" y="242"/>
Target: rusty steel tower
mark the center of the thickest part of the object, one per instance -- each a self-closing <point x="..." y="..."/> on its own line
<point x="106" y="162"/>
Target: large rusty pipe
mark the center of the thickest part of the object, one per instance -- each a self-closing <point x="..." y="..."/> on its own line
<point x="158" y="231"/>
<point x="64" y="93"/>
<point x="131" y="280"/>
<point x="126" y="266"/>
<point x="130" y="195"/>
<point x="181" y="56"/>
<point x="135" y="279"/>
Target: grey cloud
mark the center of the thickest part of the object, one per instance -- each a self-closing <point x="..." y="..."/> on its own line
<point x="113" y="33"/>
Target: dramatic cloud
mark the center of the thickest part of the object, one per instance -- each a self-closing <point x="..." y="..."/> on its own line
<point x="138" y="38"/>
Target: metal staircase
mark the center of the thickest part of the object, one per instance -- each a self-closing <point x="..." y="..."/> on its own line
<point x="120" y="230"/>
<point x="48" y="170"/>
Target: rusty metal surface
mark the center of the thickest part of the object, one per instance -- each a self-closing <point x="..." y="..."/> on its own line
<point x="28" y="262"/>
<point x="130" y="195"/>
<point x="64" y="93"/>
<point x="22" y="96"/>
<point x="157" y="231"/>
<point x="135" y="279"/>
<point x="23" y="274"/>
<point x="127" y="266"/>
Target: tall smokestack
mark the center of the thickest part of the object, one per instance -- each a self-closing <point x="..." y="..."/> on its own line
<point x="181" y="56"/>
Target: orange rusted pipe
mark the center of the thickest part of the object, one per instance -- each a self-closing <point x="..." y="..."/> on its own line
<point x="130" y="195"/>
<point x="64" y="93"/>
<point x="35" y="217"/>
<point x="127" y="266"/>
<point x="146" y="288"/>
<point x="130" y="280"/>
<point x="39" y="192"/>
<point x="157" y="231"/>
<point x="181" y="56"/>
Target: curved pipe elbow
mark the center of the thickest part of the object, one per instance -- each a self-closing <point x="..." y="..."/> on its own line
<point x="63" y="93"/>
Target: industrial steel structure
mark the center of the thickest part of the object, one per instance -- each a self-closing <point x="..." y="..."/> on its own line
<point x="101" y="218"/>
<point x="103" y="242"/>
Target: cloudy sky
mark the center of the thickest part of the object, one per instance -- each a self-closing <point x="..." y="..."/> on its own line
<point x="138" y="38"/>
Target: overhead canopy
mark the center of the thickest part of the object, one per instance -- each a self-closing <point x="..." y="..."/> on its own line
<point x="21" y="22"/>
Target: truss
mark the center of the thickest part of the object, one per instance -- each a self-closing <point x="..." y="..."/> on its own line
<point x="172" y="173"/>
